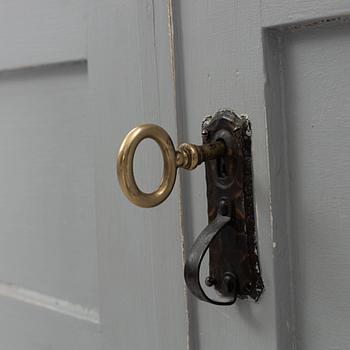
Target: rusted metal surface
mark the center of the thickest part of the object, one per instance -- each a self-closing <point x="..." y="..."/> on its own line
<point x="230" y="236"/>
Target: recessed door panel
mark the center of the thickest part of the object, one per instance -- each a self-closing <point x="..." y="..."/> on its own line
<point x="313" y="77"/>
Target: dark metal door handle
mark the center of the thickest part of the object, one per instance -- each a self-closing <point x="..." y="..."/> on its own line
<point x="194" y="262"/>
<point x="230" y="237"/>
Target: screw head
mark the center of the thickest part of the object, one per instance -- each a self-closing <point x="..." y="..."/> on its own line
<point x="223" y="207"/>
<point x="230" y="283"/>
<point x="210" y="281"/>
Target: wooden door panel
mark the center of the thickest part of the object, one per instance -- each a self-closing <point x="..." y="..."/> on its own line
<point x="48" y="253"/>
<point x="172" y="64"/>
<point x="219" y="60"/>
<point x="42" y="32"/>
<point x="48" y="249"/>
<point x="132" y="72"/>
<point x="32" y="326"/>
<point x="314" y="78"/>
<point x="48" y="240"/>
<point x="284" y="12"/>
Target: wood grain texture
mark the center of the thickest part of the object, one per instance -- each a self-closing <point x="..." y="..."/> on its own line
<point x="143" y="304"/>
<point x="42" y="32"/>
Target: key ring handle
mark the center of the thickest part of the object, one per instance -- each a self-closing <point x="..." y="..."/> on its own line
<point x="125" y="165"/>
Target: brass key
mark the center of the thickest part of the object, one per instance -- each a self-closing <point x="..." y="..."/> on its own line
<point x="187" y="156"/>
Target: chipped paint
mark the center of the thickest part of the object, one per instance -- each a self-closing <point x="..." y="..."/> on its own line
<point x="319" y="22"/>
<point x="171" y="41"/>
<point x="48" y="302"/>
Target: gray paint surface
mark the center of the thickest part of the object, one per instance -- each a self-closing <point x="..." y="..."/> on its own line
<point x="226" y="54"/>
<point x="317" y="111"/>
<point x="42" y="32"/>
<point x="172" y="63"/>
<point x="48" y="240"/>
<point x="143" y="302"/>
<point x="308" y="122"/>
<point x="221" y="65"/>
<point x="48" y="247"/>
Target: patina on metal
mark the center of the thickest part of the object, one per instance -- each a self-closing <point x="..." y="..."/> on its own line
<point x="230" y="236"/>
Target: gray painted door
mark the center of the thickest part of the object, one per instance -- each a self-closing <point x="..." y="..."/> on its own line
<point x="283" y="63"/>
<point x="48" y="246"/>
<point x="80" y="267"/>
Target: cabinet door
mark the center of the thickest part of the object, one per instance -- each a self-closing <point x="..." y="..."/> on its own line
<point x="285" y="65"/>
<point x="48" y="246"/>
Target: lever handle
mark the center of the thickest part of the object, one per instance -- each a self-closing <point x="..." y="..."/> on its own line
<point x="187" y="156"/>
<point x="230" y="237"/>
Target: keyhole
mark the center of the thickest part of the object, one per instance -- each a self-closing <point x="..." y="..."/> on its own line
<point x="221" y="167"/>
